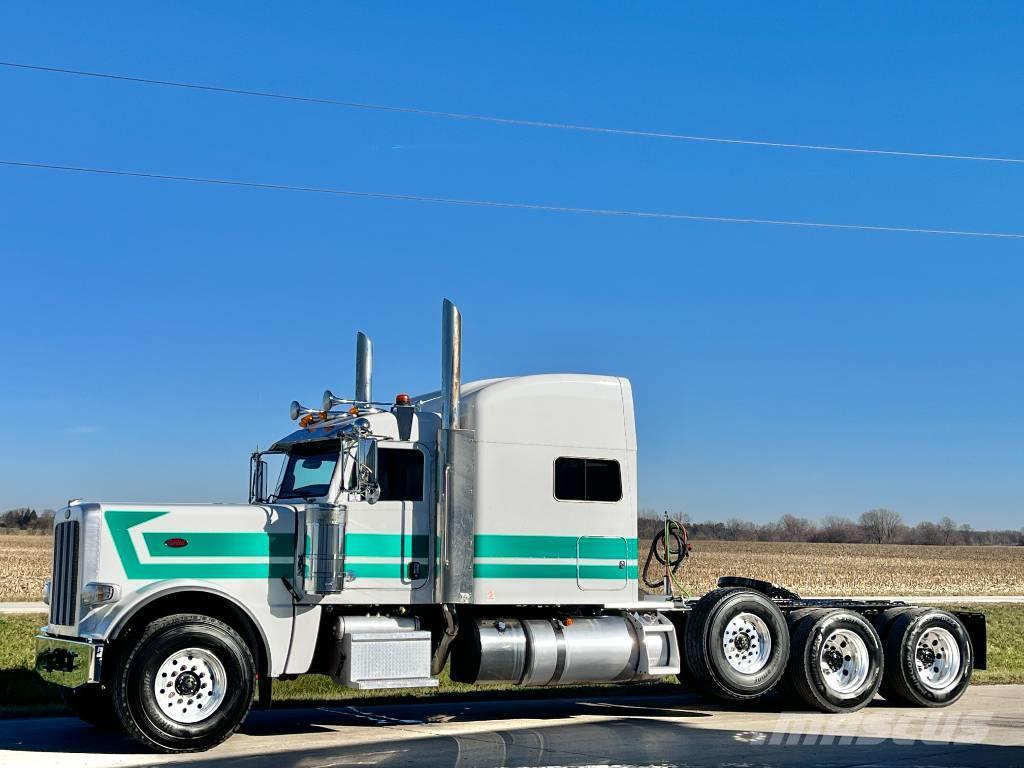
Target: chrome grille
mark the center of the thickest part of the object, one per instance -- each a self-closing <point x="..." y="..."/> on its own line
<point x="64" y="592"/>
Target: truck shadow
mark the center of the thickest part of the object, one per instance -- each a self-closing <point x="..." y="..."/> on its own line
<point x="628" y="731"/>
<point x="630" y="741"/>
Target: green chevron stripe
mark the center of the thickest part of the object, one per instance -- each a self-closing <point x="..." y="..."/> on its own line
<point x="120" y="521"/>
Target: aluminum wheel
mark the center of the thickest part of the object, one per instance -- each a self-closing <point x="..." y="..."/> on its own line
<point x="190" y="685"/>
<point x="844" y="663"/>
<point x="747" y="643"/>
<point x="937" y="659"/>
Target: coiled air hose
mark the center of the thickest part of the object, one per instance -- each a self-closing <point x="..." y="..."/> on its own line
<point x="669" y="548"/>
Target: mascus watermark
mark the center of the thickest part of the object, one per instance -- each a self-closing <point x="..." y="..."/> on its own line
<point x="865" y="729"/>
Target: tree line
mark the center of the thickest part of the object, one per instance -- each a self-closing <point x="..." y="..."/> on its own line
<point x="25" y="519"/>
<point x="876" y="526"/>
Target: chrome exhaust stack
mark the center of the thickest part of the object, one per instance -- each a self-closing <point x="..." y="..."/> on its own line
<point x="364" y="368"/>
<point x="456" y="470"/>
<point x="451" y="364"/>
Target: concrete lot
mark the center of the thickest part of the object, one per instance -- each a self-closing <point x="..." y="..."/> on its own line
<point x="984" y="729"/>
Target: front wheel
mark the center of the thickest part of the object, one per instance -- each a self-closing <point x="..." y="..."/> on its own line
<point x="185" y="685"/>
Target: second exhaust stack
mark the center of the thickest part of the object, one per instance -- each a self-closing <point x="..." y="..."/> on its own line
<point x="364" y="368"/>
<point x="451" y="364"/>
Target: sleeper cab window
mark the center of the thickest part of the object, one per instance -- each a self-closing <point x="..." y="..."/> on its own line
<point x="400" y="474"/>
<point x="587" y="479"/>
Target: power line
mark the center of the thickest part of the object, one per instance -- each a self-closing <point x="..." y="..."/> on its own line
<point x="466" y="116"/>
<point x="500" y="204"/>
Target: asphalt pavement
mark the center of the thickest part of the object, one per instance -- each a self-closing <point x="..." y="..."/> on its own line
<point x="985" y="729"/>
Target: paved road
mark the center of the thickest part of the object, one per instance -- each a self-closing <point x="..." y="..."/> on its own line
<point x="23" y="608"/>
<point x="984" y="729"/>
<point x="41" y="608"/>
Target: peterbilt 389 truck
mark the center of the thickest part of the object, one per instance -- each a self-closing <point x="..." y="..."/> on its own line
<point x="489" y="527"/>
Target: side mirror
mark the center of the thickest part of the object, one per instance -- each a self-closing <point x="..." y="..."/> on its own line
<point x="366" y="469"/>
<point x="257" y="480"/>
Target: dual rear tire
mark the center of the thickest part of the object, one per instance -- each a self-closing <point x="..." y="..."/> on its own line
<point x="928" y="656"/>
<point x="837" y="661"/>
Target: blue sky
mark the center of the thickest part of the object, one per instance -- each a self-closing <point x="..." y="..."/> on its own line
<point x="155" y="332"/>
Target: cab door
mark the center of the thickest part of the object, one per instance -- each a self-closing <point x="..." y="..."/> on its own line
<point x="387" y="543"/>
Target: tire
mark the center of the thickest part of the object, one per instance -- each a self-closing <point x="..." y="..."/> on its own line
<point x="736" y="643"/>
<point x="882" y="621"/>
<point x="795" y="617"/>
<point x="837" y="661"/>
<point x="194" y="661"/>
<point x="929" y="659"/>
<point x="93" y="704"/>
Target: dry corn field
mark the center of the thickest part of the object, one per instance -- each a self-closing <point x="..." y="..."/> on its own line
<point x="24" y="563"/>
<point x="857" y="569"/>
<point x="810" y="569"/>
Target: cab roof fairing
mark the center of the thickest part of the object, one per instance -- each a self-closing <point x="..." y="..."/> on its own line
<point x="579" y="410"/>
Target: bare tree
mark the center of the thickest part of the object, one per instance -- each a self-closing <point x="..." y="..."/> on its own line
<point x="793" y="528"/>
<point x="880" y="526"/>
<point x="947" y="526"/>
<point x="837" y="530"/>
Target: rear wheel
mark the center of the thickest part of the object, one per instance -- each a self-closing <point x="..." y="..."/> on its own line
<point x="186" y="684"/>
<point x="737" y="643"/>
<point x="929" y="659"/>
<point x="837" y="661"/>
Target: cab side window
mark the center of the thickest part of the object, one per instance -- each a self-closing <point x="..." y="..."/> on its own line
<point x="587" y="479"/>
<point x="400" y="474"/>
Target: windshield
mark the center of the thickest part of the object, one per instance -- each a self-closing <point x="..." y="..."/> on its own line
<point x="308" y="473"/>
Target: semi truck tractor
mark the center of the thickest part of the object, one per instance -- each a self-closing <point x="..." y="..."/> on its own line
<point x="489" y="528"/>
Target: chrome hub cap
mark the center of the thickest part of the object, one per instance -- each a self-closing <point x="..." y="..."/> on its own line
<point x="747" y="643"/>
<point x="937" y="659"/>
<point x="844" y="663"/>
<point x="190" y="685"/>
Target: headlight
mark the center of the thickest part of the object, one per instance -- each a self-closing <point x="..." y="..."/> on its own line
<point x="96" y="593"/>
<point x="47" y="588"/>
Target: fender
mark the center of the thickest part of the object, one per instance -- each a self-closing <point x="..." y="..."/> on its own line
<point x="276" y="639"/>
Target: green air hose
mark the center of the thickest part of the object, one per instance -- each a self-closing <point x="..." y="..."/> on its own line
<point x="669" y="548"/>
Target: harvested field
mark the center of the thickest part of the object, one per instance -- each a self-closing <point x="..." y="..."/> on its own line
<point x="858" y="569"/>
<point x="24" y="563"/>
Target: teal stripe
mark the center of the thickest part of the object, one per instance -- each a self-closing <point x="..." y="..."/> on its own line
<point x="209" y="544"/>
<point x="490" y="545"/>
<point x="386" y="545"/>
<point x="594" y="548"/>
<point x="379" y="570"/>
<point x="502" y="571"/>
<point x="530" y="571"/>
<point x="499" y="545"/>
<point x="602" y="572"/>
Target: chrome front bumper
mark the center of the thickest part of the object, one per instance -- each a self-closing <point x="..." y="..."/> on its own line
<point x="71" y="663"/>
